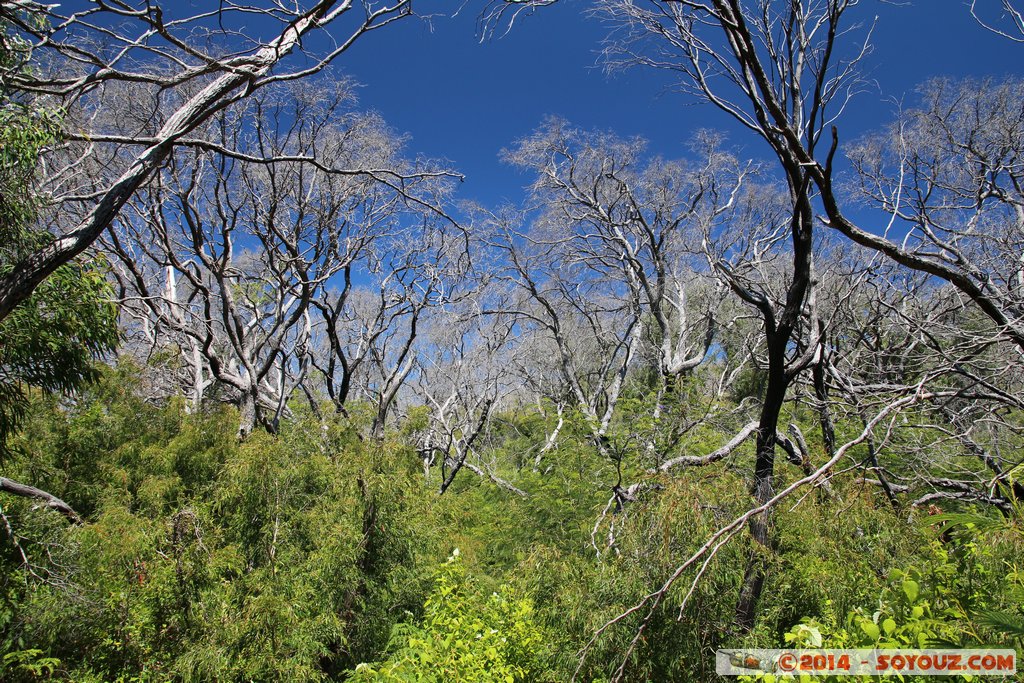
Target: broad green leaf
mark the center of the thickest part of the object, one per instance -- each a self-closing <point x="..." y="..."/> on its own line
<point x="870" y="628"/>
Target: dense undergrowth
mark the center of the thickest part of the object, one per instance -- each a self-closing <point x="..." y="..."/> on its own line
<point x="319" y="554"/>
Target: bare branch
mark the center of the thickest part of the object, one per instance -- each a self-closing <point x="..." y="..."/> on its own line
<point x="48" y="500"/>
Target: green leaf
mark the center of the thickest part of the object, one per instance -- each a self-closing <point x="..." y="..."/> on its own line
<point x="910" y="589"/>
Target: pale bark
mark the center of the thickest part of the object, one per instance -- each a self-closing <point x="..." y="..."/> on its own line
<point x="46" y="499"/>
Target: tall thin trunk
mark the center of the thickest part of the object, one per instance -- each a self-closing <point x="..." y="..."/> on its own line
<point x="778" y="333"/>
<point x="763" y="487"/>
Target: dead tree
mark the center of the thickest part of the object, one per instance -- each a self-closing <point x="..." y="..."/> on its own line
<point x="775" y="68"/>
<point x="227" y="251"/>
<point x="592" y="323"/>
<point x="638" y="222"/>
<point x="784" y="298"/>
<point x="462" y="376"/>
<point x="786" y="70"/>
<point x="194" y="65"/>
<point x="368" y="333"/>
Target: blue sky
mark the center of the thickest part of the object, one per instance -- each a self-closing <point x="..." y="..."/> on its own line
<point x="464" y="100"/>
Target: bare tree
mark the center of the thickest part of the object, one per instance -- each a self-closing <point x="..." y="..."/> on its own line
<point x="898" y="327"/>
<point x="613" y="208"/>
<point x="882" y="420"/>
<point x="614" y="255"/>
<point x="463" y="374"/>
<point x="194" y="65"/>
<point x="774" y="68"/>
<point x="591" y="321"/>
<point x="785" y="299"/>
<point x="786" y="71"/>
<point x="610" y="262"/>
<point x="227" y="253"/>
<point x="951" y="177"/>
<point x="537" y="367"/>
<point x="370" y="331"/>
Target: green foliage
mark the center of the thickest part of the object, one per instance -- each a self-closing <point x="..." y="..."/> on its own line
<point x="976" y="530"/>
<point x="295" y="556"/>
<point x="926" y="606"/>
<point x="578" y="592"/>
<point x="833" y="555"/>
<point x="25" y="129"/>
<point x="52" y="339"/>
<point x="27" y="664"/>
<point x="1003" y="622"/>
<point x="464" y="636"/>
<point x="24" y="132"/>
<point x="284" y="558"/>
<point x="291" y="557"/>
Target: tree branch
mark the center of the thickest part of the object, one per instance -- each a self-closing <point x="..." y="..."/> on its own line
<point x="48" y="499"/>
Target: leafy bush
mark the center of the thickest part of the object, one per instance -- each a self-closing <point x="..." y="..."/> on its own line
<point x="283" y="558"/>
<point x="464" y="635"/>
<point x="927" y="606"/>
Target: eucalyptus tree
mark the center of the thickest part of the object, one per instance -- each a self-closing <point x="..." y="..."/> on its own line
<point x="637" y="222"/>
<point x="949" y="175"/>
<point x="785" y="71"/>
<point x="53" y="340"/>
<point x="752" y="260"/>
<point x="610" y="230"/>
<point x="609" y="259"/>
<point x="946" y="179"/>
<point x="544" y="385"/>
<point x="625" y="245"/>
<point x="593" y="326"/>
<point x="370" y="319"/>
<point x="186" y="65"/>
<point x="464" y="371"/>
<point x="228" y="254"/>
<point x="895" y="327"/>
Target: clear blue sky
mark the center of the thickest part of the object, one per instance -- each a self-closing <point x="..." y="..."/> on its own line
<point x="464" y="100"/>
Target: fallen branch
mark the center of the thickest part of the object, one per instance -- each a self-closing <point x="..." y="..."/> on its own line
<point x="48" y="499"/>
<point x="955" y="490"/>
<point x="965" y="496"/>
<point x="896" y="488"/>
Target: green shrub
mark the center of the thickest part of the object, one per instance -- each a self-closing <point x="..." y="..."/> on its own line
<point x="464" y="635"/>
